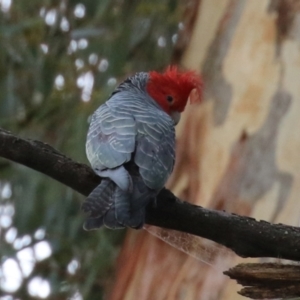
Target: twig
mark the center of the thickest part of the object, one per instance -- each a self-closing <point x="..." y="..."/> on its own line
<point x="267" y="281"/>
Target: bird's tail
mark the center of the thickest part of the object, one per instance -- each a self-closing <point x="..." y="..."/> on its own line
<point x="110" y="206"/>
<point x="98" y="203"/>
<point x="99" y="200"/>
<point x="130" y="208"/>
<point x="114" y="212"/>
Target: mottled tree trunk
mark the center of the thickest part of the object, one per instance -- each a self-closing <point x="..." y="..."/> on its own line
<point x="238" y="151"/>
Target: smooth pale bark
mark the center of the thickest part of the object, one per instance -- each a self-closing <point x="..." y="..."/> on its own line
<point x="238" y="151"/>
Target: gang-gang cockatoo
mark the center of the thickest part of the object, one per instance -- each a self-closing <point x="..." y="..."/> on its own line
<point x="131" y="145"/>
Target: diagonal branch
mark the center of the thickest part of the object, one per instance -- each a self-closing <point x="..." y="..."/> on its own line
<point x="245" y="236"/>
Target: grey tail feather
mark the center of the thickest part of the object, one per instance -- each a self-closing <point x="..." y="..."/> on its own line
<point x="110" y="220"/>
<point x="110" y="206"/>
<point x="122" y="206"/>
<point x="99" y="200"/>
<point x="125" y="212"/>
<point x="93" y="223"/>
<point x="137" y="219"/>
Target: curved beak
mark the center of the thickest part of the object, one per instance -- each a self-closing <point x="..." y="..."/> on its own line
<point x="175" y="115"/>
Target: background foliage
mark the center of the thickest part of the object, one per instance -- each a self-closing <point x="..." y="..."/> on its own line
<point x="58" y="61"/>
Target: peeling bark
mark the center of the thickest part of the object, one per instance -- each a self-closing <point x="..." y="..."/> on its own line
<point x="267" y="281"/>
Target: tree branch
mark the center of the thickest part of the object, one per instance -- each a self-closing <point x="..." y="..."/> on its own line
<point x="245" y="236"/>
<point x="267" y="280"/>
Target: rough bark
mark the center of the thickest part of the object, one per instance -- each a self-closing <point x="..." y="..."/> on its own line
<point x="267" y="281"/>
<point x="247" y="238"/>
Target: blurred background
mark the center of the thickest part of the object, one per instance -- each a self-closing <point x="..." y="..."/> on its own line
<point x="238" y="151"/>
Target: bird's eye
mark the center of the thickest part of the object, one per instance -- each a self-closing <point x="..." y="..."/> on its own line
<point x="170" y="99"/>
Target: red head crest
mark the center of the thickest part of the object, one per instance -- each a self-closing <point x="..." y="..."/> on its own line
<point x="173" y="88"/>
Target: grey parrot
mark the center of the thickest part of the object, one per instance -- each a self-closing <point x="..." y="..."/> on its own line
<point x="131" y="145"/>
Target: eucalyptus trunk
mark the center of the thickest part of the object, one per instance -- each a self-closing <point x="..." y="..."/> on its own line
<point x="238" y="151"/>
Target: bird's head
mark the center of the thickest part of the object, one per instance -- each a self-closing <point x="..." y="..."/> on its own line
<point x="172" y="89"/>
